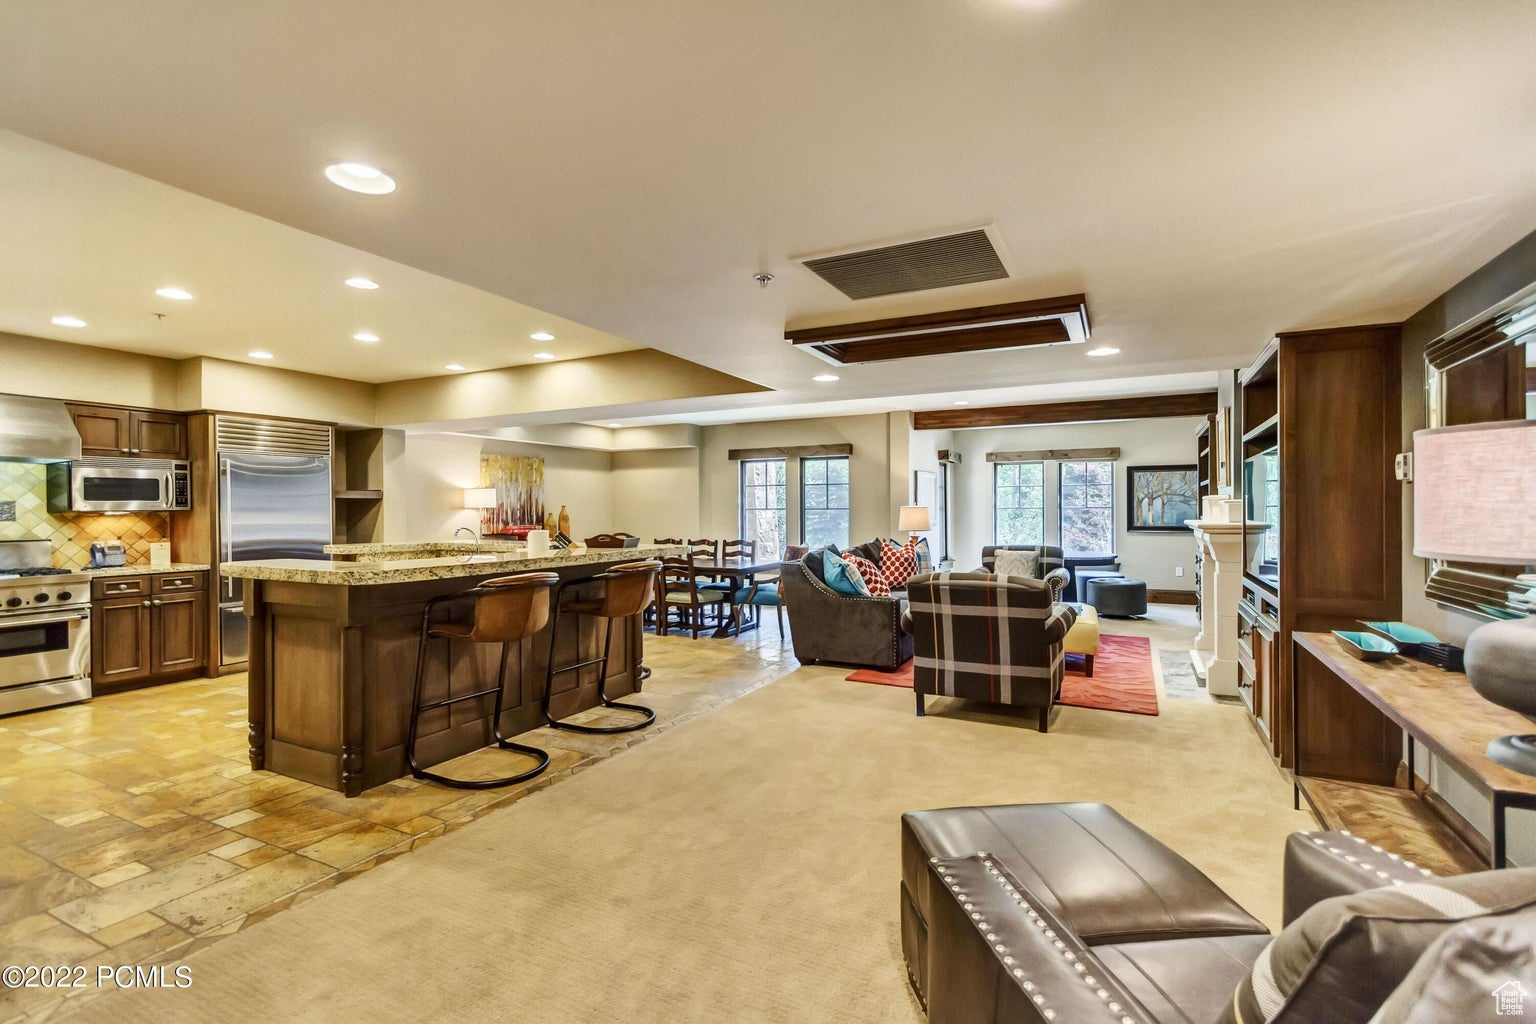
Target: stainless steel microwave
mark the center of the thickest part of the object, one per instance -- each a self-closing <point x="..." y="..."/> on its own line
<point x="119" y="485"/>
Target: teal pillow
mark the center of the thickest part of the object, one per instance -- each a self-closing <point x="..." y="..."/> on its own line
<point x="841" y="576"/>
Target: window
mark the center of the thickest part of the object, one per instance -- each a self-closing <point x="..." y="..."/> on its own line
<point x="1018" y="502"/>
<point x="824" y="501"/>
<point x="1088" y="507"/>
<point x="1272" y="506"/>
<point x="763" y="516"/>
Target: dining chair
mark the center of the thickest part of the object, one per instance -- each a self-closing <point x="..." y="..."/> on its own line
<point x="738" y="549"/>
<point x="704" y="548"/>
<point x="680" y="590"/>
<point x="678" y="541"/>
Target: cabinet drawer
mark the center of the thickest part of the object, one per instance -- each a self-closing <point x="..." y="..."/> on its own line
<point x="119" y="586"/>
<point x="180" y="582"/>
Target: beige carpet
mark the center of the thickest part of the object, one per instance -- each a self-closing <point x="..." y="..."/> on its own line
<point x="742" y="868"/>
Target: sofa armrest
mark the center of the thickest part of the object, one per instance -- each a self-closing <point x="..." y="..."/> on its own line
<point x="996" y="957"/>
<point x="1060" y="623"/>
<point x="1321" y="865"/>
<point x="1058" y="580"/>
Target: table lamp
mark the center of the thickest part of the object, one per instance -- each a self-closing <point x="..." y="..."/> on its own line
<point x="913" y="519"/>
<point x="1474" y="498"/>
<point x="480" y="498"/>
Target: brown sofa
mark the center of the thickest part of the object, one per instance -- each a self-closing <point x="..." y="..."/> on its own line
<point x="827" y="626"/>
<point x="1029" y="913"/>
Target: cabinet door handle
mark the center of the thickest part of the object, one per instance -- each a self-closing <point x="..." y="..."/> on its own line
<point x="155" y="602"/>
<point x="146" y="604"/>
<point x="123" y="451"/>
<point x="137" y="450"/>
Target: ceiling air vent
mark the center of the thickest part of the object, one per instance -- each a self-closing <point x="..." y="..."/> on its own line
<point x="1061" y="320"/>
<point x="962" y="258"/>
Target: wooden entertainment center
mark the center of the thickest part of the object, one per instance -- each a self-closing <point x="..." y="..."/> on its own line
<point x="1328" y="402"/>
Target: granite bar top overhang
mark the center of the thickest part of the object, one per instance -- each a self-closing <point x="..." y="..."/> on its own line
<point x="416" y="570"/>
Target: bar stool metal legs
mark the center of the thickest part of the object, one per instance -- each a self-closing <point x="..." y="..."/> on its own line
<point x="476" y="635"/>
<point x="608" y="612"/>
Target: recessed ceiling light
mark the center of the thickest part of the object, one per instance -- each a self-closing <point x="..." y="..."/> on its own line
<point x="614" y="426"/>
<point x="542" y="336"/>
<point x="179" y="294"/>
<point x="366" y="284"/>
<point x="1104" y="351"/>
<point x="68" y="321"/>
<point x="825" y="378"/>
<point x="543" y="355"/>
<point x="455" y="367"/>
<point x="364" y="178"/>
<point x="962" y="402"/>
<point x="259" y="354"/>
<point x="367" y="336"/>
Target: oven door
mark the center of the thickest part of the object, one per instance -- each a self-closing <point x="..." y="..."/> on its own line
<point x="45" y="647"/>
<point x="143" y="488"/>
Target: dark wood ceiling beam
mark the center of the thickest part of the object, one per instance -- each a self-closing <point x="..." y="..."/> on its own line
<point x="1061" y="305"/>
<point x="976" y="339"/>
<point x="1190" y="403"/>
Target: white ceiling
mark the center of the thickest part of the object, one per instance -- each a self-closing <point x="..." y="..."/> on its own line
<point x="1207" y="172"/>
<point x="85" y="239"/>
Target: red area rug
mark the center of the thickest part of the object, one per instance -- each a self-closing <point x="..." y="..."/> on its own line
<point x="1122" y="677"/>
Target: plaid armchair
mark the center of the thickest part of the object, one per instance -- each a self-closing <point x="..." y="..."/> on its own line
<point x="1051" y="568"/>
<point x="987" y="638"/>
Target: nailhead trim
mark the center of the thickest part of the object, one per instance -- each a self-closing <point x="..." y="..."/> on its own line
<point x="1009" y="961"/>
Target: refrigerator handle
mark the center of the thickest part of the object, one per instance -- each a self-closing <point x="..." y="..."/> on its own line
<point x="226" y="542"/>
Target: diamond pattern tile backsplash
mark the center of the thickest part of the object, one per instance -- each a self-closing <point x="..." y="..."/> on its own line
<point x="72" y="532"/>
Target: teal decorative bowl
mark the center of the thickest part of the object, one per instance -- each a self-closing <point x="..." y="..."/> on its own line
<point x="1366" y="646"/>
<point x="1406" y="637"/>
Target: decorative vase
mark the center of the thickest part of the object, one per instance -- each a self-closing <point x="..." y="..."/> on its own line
<point x="549" y="524"/>
<point x="565" y="521"/>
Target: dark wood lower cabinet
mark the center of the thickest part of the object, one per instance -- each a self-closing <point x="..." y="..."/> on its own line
<point x="152" y="629"/>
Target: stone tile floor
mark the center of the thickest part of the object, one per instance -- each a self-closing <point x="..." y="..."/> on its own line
<point x="132" y="827"/>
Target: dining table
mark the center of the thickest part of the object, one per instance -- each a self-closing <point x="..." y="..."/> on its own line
<point x="740" y="572"/>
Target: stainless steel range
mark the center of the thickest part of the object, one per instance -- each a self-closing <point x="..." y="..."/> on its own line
<point x="45" y="629"/>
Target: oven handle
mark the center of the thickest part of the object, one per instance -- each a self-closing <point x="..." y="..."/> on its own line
<point x="44" y="619"/>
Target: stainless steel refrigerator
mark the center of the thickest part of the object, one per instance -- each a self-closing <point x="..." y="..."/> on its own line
<point x="270" y="506"/>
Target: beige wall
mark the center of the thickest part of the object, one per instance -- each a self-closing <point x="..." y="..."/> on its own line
<point x="82" y="373"/>
<point x="656" y="493"/>
<point x="266" y="391"/>
<point x="430" y="472"/>
<point x="1154" y="557"/>
<point x="871" y="471"/>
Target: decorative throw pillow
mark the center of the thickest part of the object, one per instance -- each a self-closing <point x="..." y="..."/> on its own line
<point x="873" y="578"/>
<point x="919" y="546"/>
<point x="841" y="575"/>
<point x="897" y="564"/>
<point x="1344" y="956"/>
<point x="1017" y="563"/>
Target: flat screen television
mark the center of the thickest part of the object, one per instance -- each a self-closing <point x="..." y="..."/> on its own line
<point x="1261" y="496"/>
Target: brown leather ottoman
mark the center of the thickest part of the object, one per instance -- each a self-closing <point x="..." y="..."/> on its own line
<point x="1103" y="877"/>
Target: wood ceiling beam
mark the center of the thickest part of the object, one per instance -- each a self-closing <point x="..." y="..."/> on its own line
<point x="1189" y="403"/>
<point x="1058" y="306"/>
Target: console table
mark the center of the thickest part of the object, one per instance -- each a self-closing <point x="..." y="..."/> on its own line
<point x="1349" y="719"/>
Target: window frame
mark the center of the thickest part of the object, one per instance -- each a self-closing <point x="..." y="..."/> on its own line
<point x="826" y="486"/>
<point x="997" y="468"/>
<point x="741" y="499"/>
<point x="1061" y="505"/>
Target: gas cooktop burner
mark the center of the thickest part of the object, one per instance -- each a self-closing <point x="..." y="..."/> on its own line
<point x="35" y="572"/>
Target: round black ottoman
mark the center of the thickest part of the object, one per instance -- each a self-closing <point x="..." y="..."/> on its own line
<point x="1117" y="596"/>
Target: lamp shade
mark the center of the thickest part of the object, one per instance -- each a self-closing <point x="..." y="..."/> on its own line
<point x="480" y="497"/>
<point x="1474" y="493"/>
<point x="913" y="519"/>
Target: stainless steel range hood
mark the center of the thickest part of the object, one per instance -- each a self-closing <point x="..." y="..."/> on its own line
<point x="36" y="430"/>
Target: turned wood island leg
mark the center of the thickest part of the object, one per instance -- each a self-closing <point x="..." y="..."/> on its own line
<point x="256" y="678"/>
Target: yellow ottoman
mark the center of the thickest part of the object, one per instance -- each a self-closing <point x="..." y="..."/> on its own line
<point x="1083" y="637"/>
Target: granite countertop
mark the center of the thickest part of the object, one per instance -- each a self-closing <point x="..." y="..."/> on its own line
<point x="144" y="569"/>
<point x="425" y="549"/>
<point x="415" y="570"/>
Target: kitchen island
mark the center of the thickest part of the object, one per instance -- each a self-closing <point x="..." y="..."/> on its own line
<point x="333" y="661"/>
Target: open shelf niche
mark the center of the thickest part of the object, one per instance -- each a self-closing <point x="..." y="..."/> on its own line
<point x="357" y="473"/>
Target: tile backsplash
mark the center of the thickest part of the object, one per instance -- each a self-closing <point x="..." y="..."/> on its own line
<point x="26" y="485"/>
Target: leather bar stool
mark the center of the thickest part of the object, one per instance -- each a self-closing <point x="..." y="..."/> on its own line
<point x="506" y="610"/>
<point x="627" y="589"/>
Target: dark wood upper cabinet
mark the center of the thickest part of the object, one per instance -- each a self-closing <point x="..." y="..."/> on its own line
<point x="108" y="431"/>
<point x="104" y="431"/>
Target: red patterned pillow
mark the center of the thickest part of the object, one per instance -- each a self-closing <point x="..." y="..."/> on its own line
<point x="871" y="573"/>
<point x="897" y="564"/>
